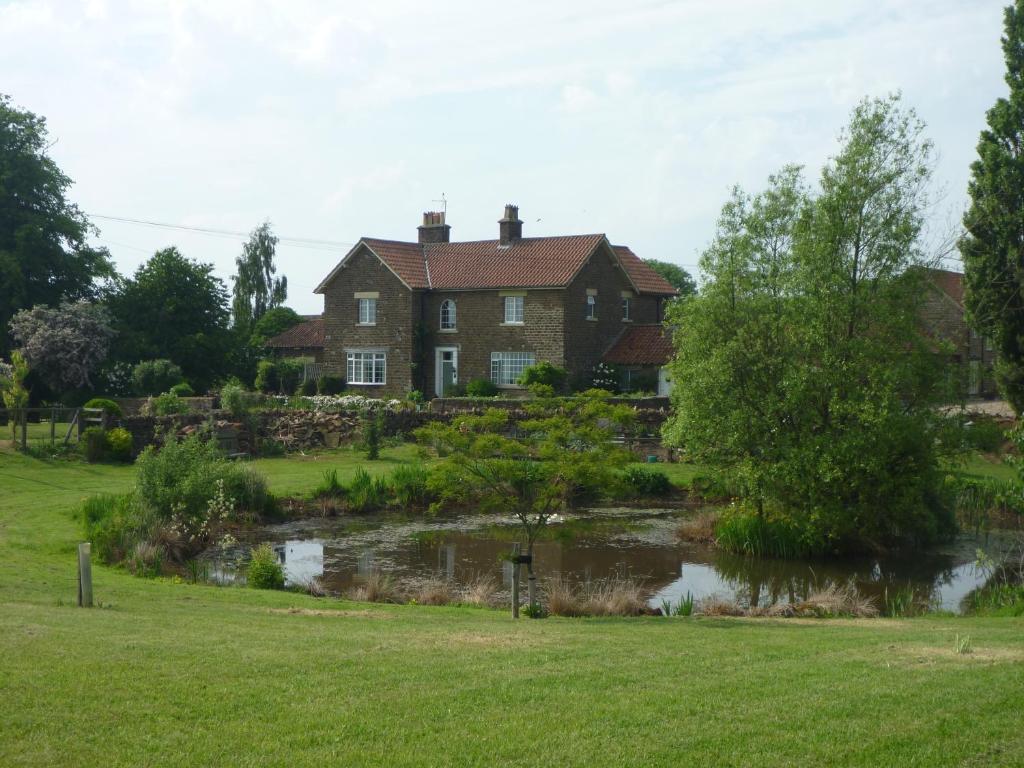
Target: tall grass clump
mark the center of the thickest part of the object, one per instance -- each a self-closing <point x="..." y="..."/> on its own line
<point x="604" y="597"/>
<point x="376" y="587"/>
<point x="747" y="532"/>
<point x="366" y="493"/>
<point x="330" y="487"/>
<point x="409" y="485"/>
<point x="265" y="571"/>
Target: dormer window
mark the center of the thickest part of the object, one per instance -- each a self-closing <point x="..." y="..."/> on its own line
<point x="447" y="315"/>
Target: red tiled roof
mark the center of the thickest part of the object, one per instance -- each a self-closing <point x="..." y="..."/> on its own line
<point x="309" y="334"/>
<point x="641" y="345"/>
<point x="950" y="283"/>
<point x="530" y="262"/>
<point x="404" y="259"/>
<point x="644" y="278"/>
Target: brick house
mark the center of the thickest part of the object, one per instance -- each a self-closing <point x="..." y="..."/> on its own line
<point x="429" y="314"/>
<point x="943" y="317"/>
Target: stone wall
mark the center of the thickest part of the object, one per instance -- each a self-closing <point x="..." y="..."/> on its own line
<point x="132" y="406"/>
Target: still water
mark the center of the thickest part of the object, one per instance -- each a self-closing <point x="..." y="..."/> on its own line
<point x="594" y="544"/>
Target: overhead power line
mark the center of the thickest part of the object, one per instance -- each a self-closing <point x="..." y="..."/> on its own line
<point x="301" y="242"/>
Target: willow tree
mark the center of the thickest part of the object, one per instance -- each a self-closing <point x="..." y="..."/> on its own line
<point x="256" y="289"/>
<point x="993" y="242"/>
<point x="800" y="370"/>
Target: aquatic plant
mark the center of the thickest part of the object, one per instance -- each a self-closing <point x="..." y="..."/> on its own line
<point x="409" y="485"/>
<point x="367" y="493"/>
<point x="699" y="528"/>
<point x="330" y="487"/>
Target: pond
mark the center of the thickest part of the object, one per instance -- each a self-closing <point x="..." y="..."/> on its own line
<point x="591" y="545"/>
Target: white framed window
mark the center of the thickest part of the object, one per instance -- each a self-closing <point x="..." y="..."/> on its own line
<point x="507" y="367"/>
<point x="447" y="315"/>
<point x="627" y="306"/>
<point x="514" y="309"/>
<point x="367" y="367"/>
<point x="367" y="311"/>
<point x="591" y="307"/>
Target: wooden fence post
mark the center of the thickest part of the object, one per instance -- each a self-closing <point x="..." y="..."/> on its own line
<point x="515" y="580"/>
<point x="84" y="575"/>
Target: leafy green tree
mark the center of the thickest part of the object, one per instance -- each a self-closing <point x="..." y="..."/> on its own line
<point x="64" y="346"/>
<point x="44" y="257"/>
<point x="175" y="308"/>
<point x="274" y="321"/>
<point x="12" y="385"/>
<point x="561" y="451"/>
<point x="993" y="243"/>
<point x="256" y="289"/>
<point x="800" y="370"/>
<point x="676" y="276"/>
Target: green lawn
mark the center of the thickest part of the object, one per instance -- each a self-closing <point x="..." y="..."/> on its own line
<point x="176" y="674"/>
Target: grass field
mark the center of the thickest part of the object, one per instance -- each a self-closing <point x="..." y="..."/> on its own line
<point x="177" y="674"/>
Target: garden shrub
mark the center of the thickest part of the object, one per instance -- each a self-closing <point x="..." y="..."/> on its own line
<point x="235" y="399"/>
<point x="481" y="388"/>
<point x="367" y="493"/>
<point x="544" y="373"/>
<point x="605" y="376"/>
<point x="409" y="485"/>
<point x="119" y="444"/>
<point x="151" y="377"/>
<point x="109" y="407"/>
<point x="112" y="523"/>
<point x="986" y="435"/>
<point x="647" y="482"/>
<point x="167" y="404"/>
<point x="541" y="390"/>
<point x="330" y="385"/>
<point x="372" y="429"/>
<point x="265" y="571"/>
<point x="416" y="397"/>
<point x="308" y="387"/>
<point x="266" y="376"/>
<point x="182" y="389"/>
<point x="94" y="443"/>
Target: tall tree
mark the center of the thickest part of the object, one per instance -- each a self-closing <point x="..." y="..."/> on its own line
<point x="64" y="346"/>
<point x="175" y="308"/>
<point x="993" y="244"/>
<point x="44" y="257"/>
<point x="676" y="276"/>
<point x="800" y="370"/>
<point x="256" y="289"/>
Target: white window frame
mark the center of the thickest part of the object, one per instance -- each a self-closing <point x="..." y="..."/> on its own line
<point x="363" y="364"/>
<point x="515" y="310"/>
<point x="369" y="316"/>
<point x="507" y="367"/>
<point x="451" y="322"/>
<point x="627" y="308"/>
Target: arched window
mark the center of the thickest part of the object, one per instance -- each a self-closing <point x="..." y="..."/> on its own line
<point x="447" y="315"/>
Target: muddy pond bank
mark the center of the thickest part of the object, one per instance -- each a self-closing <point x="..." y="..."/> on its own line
<point x="594" y="544"/>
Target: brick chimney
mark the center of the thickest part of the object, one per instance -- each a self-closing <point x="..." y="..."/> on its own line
<point x="433" y="229"/>
<point x="510" y="228"/>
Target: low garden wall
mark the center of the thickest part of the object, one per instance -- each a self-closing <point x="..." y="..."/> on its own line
<point x="132" y="406"/>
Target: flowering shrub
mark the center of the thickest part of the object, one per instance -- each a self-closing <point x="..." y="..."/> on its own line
<point x="342" y="403"/>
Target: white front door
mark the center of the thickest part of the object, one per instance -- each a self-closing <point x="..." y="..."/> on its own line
<point x="446" y="370"/>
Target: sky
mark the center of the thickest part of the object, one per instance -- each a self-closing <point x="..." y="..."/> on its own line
<point x="335" y="120"/>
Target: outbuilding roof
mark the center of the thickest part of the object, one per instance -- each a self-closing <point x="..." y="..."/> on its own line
<point x="305" y="335"/>
<point x="641" y="345"/>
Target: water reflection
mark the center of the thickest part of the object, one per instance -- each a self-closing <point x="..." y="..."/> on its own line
<point x="625" y="543"/>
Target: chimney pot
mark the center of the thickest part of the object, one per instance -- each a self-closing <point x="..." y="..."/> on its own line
<point x="433" y="229"/>
<point x="510" y="228"/>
